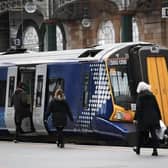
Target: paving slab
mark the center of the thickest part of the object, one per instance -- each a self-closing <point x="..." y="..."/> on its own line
<point x="48" y="155"/>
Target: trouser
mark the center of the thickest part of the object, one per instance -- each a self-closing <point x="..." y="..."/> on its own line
<point x="18" y="122"/>
<point x="154" y="139"/>
<point x="60" y="136"/>
<point x="31" y="122"/>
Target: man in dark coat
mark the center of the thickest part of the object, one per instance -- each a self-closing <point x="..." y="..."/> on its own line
<point x="147" y="116"/>
<point x="19" y="100"/>
<point x="60" y="110"/>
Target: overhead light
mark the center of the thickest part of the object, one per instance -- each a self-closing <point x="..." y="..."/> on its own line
<point x="86" y="22"/>
<point x="30" y="7"/>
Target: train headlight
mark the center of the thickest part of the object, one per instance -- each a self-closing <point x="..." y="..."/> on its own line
<point x="125" y="116"/>
<point x="119" y="115"/>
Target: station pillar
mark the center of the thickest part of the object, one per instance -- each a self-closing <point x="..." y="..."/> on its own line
<point x="51" y="37"/>
<point x="126" y="28"/>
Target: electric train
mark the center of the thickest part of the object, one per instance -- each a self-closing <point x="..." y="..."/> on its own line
<point x="99" y="84"/>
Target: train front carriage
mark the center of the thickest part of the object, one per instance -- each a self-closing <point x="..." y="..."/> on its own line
<point x="99" y="84"/>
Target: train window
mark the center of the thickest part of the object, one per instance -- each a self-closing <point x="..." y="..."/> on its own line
<point x="11" y="90"/>
<point x="53" y="85"/>
<point x="119" y="80"/>
<point x="3" y="92"/>
<point x="86" y="91"/>
<point x="39" y="90"/>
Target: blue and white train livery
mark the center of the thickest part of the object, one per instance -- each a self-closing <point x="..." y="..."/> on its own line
<point x="99" y="84"/>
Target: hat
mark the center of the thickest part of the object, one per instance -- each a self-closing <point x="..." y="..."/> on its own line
<point x="143" y="86"/>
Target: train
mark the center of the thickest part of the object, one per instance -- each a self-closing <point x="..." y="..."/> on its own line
<point x="99" y="83"/>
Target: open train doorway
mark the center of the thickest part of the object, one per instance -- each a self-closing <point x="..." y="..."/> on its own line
<point x="25" y="75"/>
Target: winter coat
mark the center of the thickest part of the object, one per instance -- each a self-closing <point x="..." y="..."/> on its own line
<point x="19" y="100"/>
<point x="60" y="110"/>
<point x="147" y="111"/>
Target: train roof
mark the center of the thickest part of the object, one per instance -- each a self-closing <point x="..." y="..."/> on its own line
<point x="97" y="53"/>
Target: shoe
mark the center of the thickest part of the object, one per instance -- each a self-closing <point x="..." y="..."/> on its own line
<point x="15" y="141"/>
<point x="62" y="146"/>
<point x="154" y="153"/>
<point x="58" y="145"/>
<point x="136" y="150"/>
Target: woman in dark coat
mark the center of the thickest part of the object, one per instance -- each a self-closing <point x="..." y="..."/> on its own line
<point x="60" y="110"/>
<point x="147" y="116"/>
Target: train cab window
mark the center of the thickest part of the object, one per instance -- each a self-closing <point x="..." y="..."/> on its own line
<point x="11" y="90"/>
<point x="3" y="92"/>
<point x="86" y="90"/>
<point x="120" y="85"/>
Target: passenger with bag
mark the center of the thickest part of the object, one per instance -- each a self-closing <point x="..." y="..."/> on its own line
<point x="60" y="110"/>
<point x="147" y="117"/>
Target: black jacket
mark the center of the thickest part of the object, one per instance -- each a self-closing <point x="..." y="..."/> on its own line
<point x="147" y="111"/>
<point x="19" y="100"/>
<point x="60" y="110"/>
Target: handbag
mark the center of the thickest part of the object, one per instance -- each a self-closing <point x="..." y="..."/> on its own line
<point x="160" y="132"/>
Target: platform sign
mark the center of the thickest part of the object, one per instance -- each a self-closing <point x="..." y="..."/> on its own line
<point x="164" y="8"/>
<point x="165" y="12"/>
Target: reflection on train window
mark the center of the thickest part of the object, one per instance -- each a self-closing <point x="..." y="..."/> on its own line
<point x="39" y="90"/>
<point x="59" y="84"/>
<point x="53" y="85"/>
<point x="120" y="86"/>
<point x="86" y="91"/>
<point x="11" y="90"/>
<point x="2" y="92"/>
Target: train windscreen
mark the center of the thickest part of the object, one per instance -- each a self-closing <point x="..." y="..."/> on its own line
<point x="120" y="84"/>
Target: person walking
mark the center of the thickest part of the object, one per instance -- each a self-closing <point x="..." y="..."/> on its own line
<point x="147" y="117"/>
<point x="19" y="100"/>
<point x="60" y="110"/>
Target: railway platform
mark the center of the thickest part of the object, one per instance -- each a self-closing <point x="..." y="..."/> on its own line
<point x="48" y="155"/>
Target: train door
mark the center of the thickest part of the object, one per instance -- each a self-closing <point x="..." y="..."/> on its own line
<point x="39" y="98"/>
<point x="158" y="78"/>
<point x="9" y="109"/>
<point x="16" y="75"/>
<point x="85" y="118"/>
<point x="27" y="76"/>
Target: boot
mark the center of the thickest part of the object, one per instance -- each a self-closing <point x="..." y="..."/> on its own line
<point x="62" y="145"/>
<point x="154" y="153"/>
<point x="136" y="150"/>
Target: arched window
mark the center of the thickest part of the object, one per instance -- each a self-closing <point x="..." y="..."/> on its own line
<point x="106" y="33"/>
<point x="31" y="39"/>
<point x="135" y="31"/>
<point x="58" y="39"/>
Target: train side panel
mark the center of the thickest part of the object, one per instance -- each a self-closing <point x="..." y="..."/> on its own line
<point x="67" y="76"/>
<point x="87" y="90"/>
